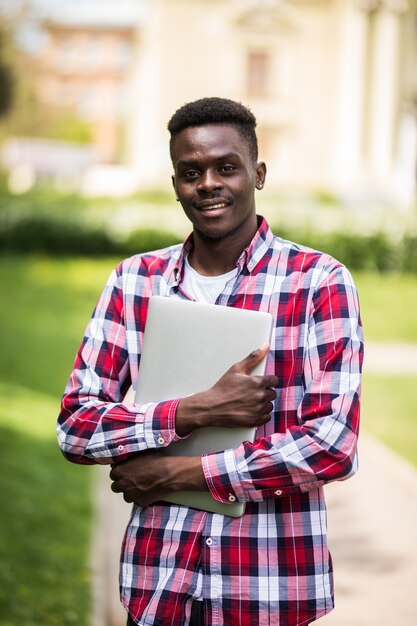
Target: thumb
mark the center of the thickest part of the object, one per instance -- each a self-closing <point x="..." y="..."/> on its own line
<point x="251" y="361"/>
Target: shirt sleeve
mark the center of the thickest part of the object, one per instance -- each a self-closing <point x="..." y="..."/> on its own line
<point x="321" y="447"/>
<point x="94" y="425"/>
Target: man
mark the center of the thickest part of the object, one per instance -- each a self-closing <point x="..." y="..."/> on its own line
<point x="272" y="565"/>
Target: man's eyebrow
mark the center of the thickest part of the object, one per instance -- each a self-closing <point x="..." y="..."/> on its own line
<point x="187" y="163"/>
<point x="196" y="162"/>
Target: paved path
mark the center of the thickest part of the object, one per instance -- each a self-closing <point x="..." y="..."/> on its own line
<point x="372" y="531"/>
<point x="390" y="357"/>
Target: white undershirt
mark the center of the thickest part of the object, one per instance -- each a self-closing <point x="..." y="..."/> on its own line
<point x="204" y="288"/>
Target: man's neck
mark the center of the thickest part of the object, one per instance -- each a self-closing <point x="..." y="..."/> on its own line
<point x="213" y="257"/>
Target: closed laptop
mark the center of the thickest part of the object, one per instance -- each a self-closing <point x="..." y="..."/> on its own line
<point x="187" y="347"/>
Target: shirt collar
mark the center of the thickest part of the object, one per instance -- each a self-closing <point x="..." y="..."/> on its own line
<point x="249" y="258"/>
<point x="257" y="248"/>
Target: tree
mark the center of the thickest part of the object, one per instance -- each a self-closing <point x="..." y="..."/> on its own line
<point x="6" y="78"/>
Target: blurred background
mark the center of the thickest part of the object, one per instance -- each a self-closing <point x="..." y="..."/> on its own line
<point x="86" y="91"/>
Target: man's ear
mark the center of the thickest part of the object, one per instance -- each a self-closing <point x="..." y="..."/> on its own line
<point x="174" y="186"/>
<point x="260" y="174"/>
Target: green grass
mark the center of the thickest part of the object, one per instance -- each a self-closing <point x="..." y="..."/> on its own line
<point x="389" y="412"/>
<point x="46" y="306"/>
<point x="388" y="306"/>
<point x="46" y="514"/>
<point x="44" y="518"/>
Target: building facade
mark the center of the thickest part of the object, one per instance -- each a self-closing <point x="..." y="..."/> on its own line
<point x="86" y="66"/>
<point x="332" y="82"/>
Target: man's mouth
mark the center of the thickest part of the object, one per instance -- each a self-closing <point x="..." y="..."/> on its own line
<point x="213" y="206"/>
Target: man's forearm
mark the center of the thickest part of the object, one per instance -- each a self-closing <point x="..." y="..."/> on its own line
<point x="237" y="399"/>
<point x="151" y="475"/>
<point x="190" y="414"/>
<point x="185" y="474"/>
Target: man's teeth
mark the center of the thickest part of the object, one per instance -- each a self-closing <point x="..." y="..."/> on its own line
<point x="215" y="206"/>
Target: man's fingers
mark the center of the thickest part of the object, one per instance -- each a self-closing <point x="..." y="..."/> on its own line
<point x="115" y="487"/>
<point x="251" y="361"/>
<point x="266" y="382"/>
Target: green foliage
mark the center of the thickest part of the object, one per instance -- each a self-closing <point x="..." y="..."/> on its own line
<point x="6" y="89"/>
<point x="28" y="118"/>
<point x="153" y="196"/>
<point x="143" y="240"/>
<point x="46" y="221"/>
<point x="64" y="125"/>
<point x="375" y="252"/>
<point x="55" y="236"/>
<point x="410" y="253"/>
<point x="21" y="112"/>
<point x="6" y="74"/>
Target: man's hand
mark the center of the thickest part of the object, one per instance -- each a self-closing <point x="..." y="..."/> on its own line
<point x="151" y="475"/>
<point x="237" y="399"/>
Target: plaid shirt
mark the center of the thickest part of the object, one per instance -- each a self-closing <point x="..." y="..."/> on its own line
<point x="271" y="566"/>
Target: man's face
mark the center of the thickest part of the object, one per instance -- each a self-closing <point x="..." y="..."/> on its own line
<point x="215" y="179"/>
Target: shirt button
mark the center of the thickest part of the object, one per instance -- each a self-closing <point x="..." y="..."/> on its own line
<point x="120" y="448"/>
<point x="278" y="492"/>
<point x="232" y="498"/>
<point x="161" y="440"/>
<point x="209" y="541"/>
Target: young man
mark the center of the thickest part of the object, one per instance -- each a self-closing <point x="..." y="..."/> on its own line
<point x="271" y="566"/>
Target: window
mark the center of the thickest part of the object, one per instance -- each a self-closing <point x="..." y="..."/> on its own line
<point x="93" y="54"/>
<point x="66" y="56"/>
<point x="122" y="56"/>
<point x="258" y="74"/>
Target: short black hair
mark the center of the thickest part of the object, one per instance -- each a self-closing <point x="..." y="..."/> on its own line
<point x="216" y="111"/>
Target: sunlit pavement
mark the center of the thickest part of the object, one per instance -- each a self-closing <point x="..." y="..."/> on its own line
<point x="372" y="532"/>
<point x="372" y="520"/>
<point x="381" y="358"/>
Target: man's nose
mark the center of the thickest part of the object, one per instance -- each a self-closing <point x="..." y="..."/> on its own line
<point x="209" y="181"/>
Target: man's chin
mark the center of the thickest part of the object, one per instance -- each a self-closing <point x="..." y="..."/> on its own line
<point x="214" y="234"/>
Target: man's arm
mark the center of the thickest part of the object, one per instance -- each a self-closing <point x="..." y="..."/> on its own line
<point x="322" y="446"/>
<point x="319" y="446"/>
<point x="237" y="399"/>
<point x="94" y="425"/>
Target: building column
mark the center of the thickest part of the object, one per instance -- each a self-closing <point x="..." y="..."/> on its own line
<point x="384" y="89"/>
<point x="351" y="95"/>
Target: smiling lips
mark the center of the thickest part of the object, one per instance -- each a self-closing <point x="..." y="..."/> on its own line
<point x="211" y="207"/>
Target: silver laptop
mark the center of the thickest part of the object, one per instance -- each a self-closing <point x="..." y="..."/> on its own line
<point x="187" y="347"/>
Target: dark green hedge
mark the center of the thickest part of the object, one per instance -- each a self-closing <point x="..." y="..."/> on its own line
<point x="56" y="236"/>
<point x="362" y="252"/>
<point x="66" y="236"/>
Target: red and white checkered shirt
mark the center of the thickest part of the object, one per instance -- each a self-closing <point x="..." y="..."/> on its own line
<point x="271" y="566"/>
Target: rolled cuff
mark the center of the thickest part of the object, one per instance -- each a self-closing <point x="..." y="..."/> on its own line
<point x="222" y="477"/>
<point x="159" y="424"/>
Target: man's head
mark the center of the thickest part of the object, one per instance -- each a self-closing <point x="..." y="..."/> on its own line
<point x="214" y="155"/>
<point x="216" y="111"/>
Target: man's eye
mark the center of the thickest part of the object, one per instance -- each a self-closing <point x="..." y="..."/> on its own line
<point x="227" y="168"/>
<point x="190" y="174"/>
